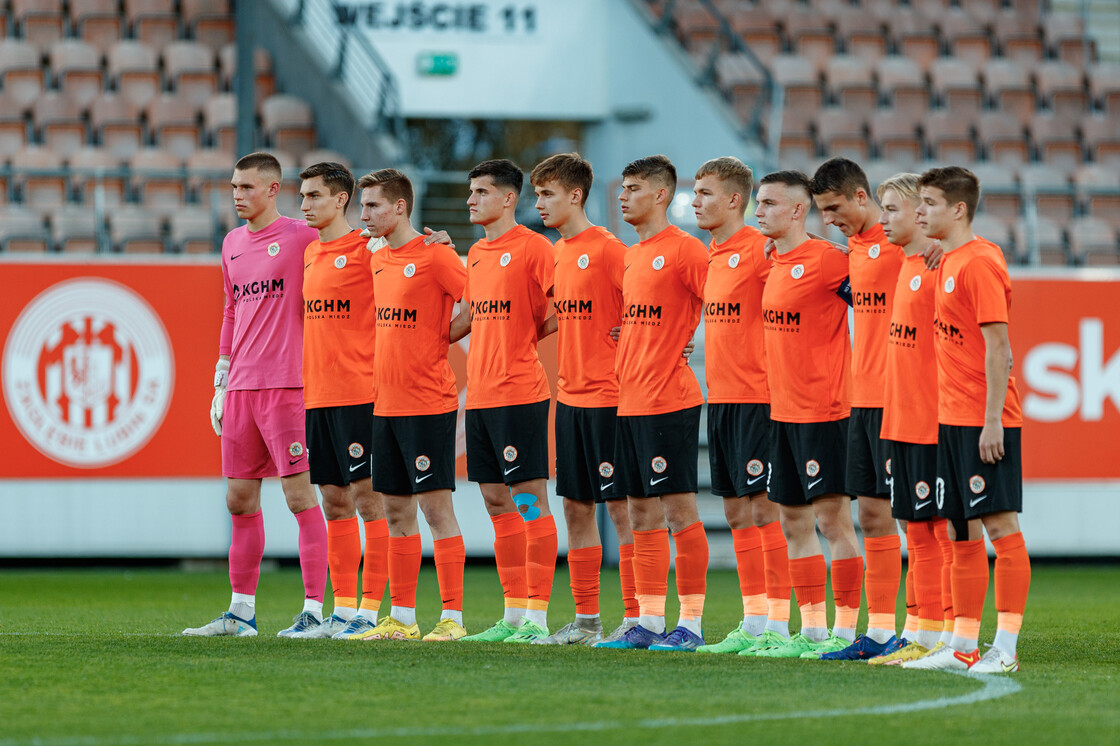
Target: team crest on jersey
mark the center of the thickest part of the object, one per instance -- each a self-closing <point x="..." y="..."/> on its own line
<point x="873" y="252"/>
<point x="409" y="269"/>
<point x="888" y="467"/>
<point x="340" y="262"/>
<point x="505" y="260"/>
<point x="797" y="271"/>
<point x="606" y="469"/>
<point x="754" y="467"/>
<point x="921" y="489"/>
<point x="977" y="484"/>
<point x="733" y="261"/>
<point x="915" y="282"/>
<point x="658" y="262"/>
<point x="355" y="450"/>
<point x="295" y="450"/>
<point x="659" y="464"/>
<point x="273" y="249"/>
<point x="509" y="453"/>
<point x="812" y="468"/>
<point x="950" y="284"/>
<point x="583" y="261"/>
<point x="423" y="463"/>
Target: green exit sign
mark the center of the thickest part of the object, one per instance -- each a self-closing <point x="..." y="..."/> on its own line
<point x="437" y="63"/>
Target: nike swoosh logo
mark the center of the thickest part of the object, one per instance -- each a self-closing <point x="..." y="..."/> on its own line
<point x="421" y="479"/>
<point x="975" y="501"/>
<point x="815" y="482"/>
<point x="753" y="480"/>
<point x="355" y="467"/>
<point x="656" y="481"/>
<point x="510" y="470"/>
<point x="235" y="256"/>
<point x="379" y="271"/>
<point x="475" y="262"/>
<point x="919" y="506"/>
<point x="626" y="268"/>
<point x="292" y="462"/>
<point x="603" y="487"/>
<point x="308" y="265"/>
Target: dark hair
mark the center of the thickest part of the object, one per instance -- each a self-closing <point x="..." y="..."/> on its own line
<point x="266" y="163"/>
<point x="336" y="176"/>
<point x="840" y="175"/>
<point x="656" y="169"/>
<point x="394" y="185"/>
<point x="569" y="170"/>
<point x="502" y="171"/>
<point x="736" y="175"/>
<point x="789" y="178"/>
<point x="958" y="184"/>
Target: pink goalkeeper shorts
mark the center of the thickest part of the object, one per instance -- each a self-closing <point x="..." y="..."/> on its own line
<point x="263" y="434"/>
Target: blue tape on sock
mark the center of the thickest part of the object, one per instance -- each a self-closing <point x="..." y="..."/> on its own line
<point x="526" y="503"/>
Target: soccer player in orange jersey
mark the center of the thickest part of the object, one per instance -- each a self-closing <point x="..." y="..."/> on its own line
<point x="842" y="194"/>
<point x="338" y="396"/>
<point x="910" y="423"/>
<point x="588" y="303"/>
<point x="415" y="287"/>
<point x="805" y="324"/>
<point x="509" y="278"/>
<point x="739" y="402"/>
<point x="980" y="421"/>
<point x="659" y="402"/>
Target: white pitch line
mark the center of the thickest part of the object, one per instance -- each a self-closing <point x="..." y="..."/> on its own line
<point x="994" y="687"/>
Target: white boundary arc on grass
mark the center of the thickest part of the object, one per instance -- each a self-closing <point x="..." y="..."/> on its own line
<point x="994" y="687"/>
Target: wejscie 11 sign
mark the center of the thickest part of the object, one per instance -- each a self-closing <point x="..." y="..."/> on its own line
<point x="533" y="59"/>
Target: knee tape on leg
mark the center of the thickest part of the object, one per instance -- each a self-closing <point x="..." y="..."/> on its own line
<point x="526" y="503"/>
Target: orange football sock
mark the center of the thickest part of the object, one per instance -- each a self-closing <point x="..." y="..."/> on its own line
<point x="911" y="624"/>
<point x="626" y="580"/>
<point x="651" y="570"/>
<point x="584" y="565"/>
<point x="925" y="574"/>
<point x="692" y="569"/>
<point x="450" y="556"/>
<point x="509" y="556"/>
<point x="404" y="569"/>
<point x="884" y="572"/>
<point x="1013" y="575"/>
<point x="540" y="560"/>
<point x="344" y="555"/>
<point x="808" y="575"/>
<point x="847" y="581"/>
<point x="970" y="588"/>
<point x="775" y="559"/>
<point x="375" y="567"/>
<point x="941" y="533"/>
<point x="751" y="569"/>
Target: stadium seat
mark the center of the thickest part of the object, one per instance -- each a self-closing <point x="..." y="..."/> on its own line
<point x="1098" y="191"/>
<point x="740" y="81"/>
<point x="809" y="35"/>
<point x="797" y="141"/>
<point x="850" y="83"/>
<point x="116" y="125"/>
<point x="879" y="170"/>
<point x="1102" y="139"/>
<point x="134" y="229"/>
<point x="265" y="84"/>
<point x="208" y="177"/>
<point x="13" y="129"/>
<point x="21" y="72"/>
<point x="134" y="72"/>
<point x="757" y="28"/>
<point x="98" y="22"/>
<point x="157" y="180"/>
<point x="40" y="22"/>
<point x="902" y="82"/>
<point x="191" y="72"/>
<point x="74" y="229"/>
<point x="992" y="228"/>
<point x="1055" y="138"/>
<point x="801" y="80"/>
<point x="59" y="123"/>
<point x="1050" y="189"/>
<point x="288" y="123"/>
<point x="219" y="121"/>
<point x="174" y="124"/>
<point x="1009" y="88"/>
<point x="1002" y="137"/>
<point x="842" y="132"/>
<point x="1104" y="87"/>
<point x="153" y="22"/>
<point x="1092" y="242"/>
<point x="895" y="138"/>
<point x="1049" y="238"/>
<point x="323" y="155"/>
<point x="697" y="29"/>
<point x="98" y="176"/>
<point x="1065" y="37"/>
<point x="915" y="35"/>
<point x="21" y="231"/>
<point x="948" y="136"/>
<point x="1019" y="37"/>
<point x="38" y="178"/>
<point x="77" y="69"/>
<point x="192" y="231"/>
<point x="999" y="190"/>
<point x="210" y="21"/>
<point x="955" y="84"/>
<point x="862" y="32"/>
<point x="1061" y="87"/>
<point x="966" y="32"/>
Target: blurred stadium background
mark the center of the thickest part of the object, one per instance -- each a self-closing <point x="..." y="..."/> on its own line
<point x="120" y="121"/>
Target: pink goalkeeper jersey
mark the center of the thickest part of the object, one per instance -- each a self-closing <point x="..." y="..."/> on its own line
<point x="262" y="327"/>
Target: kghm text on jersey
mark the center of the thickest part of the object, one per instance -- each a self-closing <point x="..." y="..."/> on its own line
<point x="385" y="313"/>
<point x="327" y="305"/>
<point x="259" y="287"/>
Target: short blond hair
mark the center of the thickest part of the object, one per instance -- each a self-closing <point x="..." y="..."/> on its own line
<point x="904" y="184"/>
<point x="736" y="176"/>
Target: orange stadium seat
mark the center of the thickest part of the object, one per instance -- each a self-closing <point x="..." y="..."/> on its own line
<point x="116" y="125"/>
<point x="134" y="229"/>
<point x="948" y="136"/>
<point x="1092" y="242"/>
<point x="999" y="190"/>
<point x="696" y="27"/>
<point x="1098" y="191"/>
<point x="1019" y="36"/>
<point x="1052" y="192"/>
<point x="157" y="180"/>
<point x="21" y="72"/>
<point x="1102" y="139"/>
<point x="842" y="133"/>
<point x="77" y="68"/>
<point x="13" y="130"/>
<point x="998" y="232"/>
<point x="209" y="173"/>
<point x="134" y="72"/>
<point x="955" y="84"/>
<point x="265" y="82"/>
<point x="1009" y="87"/>
<point x="1061" y="87"/>
<point x="879" y="170"/>
<point x="850" y="83"/>
<point x="1055" y="138"/>
<point x="191" y="71"/>
<point x="40" y="22"/>
<point x="1104" y="86"/>
<point x="966" y="32"/>
<point x="915" y="35"/>
<point x="757" y="28"/>
<point x="740" y="81"/>
<point x="96" y="171"/>
<point x="219" y="121"/>
<point x="1002" y="137"/>
<point x="210" y="21"/>
<point x="1049" y="236"/>
<point x="902" y="82"/>
<point x="809" y="34"/>
<point x="59" y="123"/>
<point x="74" y="229"/>
<point x="1066" y="39"/>
<point x="288" y="123"/>
<point x="862" y="32"/>
<point x="98" y="22"/>
<point x="38" y="178"/>
<point x="174" y="124"/>
<point x="22" y="231"/>
<point x="800" y="78"/>
<point x="153" y="22"/>
<point x="895" y="138"/>
<point x="192" y="230"/>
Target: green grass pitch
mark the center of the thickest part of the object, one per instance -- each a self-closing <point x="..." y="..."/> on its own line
<point x="90" y="658"/>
